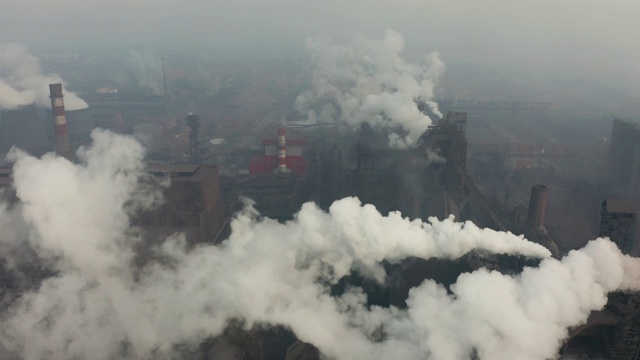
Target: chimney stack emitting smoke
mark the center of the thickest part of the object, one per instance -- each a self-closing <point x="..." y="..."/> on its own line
<point x="60" y="120"/>
<point x="22" y="81"/>
<point x="537" y="205"/>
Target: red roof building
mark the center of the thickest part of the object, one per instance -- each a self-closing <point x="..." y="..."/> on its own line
<point x="292" y="156"/>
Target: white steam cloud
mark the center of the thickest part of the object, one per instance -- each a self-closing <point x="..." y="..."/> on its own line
<point x="22" y="81"/>
<point x="371" y="82"/>
<point x="98" y="305"/>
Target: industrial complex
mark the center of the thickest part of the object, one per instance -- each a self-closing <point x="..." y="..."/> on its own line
<point x="482" y="161"/>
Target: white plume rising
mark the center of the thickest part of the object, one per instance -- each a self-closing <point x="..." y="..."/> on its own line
<point x="76" y="218"/>
<point x="22" y="81"/>
<point x="371" y="82"/>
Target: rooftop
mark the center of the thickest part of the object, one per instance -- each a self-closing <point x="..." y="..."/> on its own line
<point x="621" y="206"/>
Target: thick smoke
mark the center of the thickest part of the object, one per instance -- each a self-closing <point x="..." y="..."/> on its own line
<point x="75" y="217"/>
<point x="371" y="82"/>
<point x="22" y="81"/>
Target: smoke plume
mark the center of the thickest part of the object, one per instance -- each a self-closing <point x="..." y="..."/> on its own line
<point x="371" y="82"/>
<point x="98" y="305"/>
<point x="22" y="81"/>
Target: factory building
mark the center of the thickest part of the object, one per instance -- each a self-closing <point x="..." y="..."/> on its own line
<point x="277" y="179"/>
<point x="192" y="204"/>
<point x="426" y="180"/>
<point x="276" y="197"/>
<point x="429" y="179"/>
<point x="283" y="154"/>
<point x="623" y="173"/>
<point x="618" y="223"/>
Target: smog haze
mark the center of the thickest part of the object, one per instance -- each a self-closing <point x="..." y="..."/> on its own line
<point x="319" y="179"/>
<point x="585" y="45"/>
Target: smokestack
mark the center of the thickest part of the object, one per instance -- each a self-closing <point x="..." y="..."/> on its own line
<point x="282" y="151"/>
<point x="537" y="205"/>
<point x="60" y="121"/>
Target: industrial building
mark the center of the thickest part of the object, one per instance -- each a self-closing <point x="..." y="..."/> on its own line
<point x="192" y="204"/>
<point x="623" y="172"/>
<point x="277" y="181"/>
<point x="518" y="182"/>
<point x="618" y="223"/>
<point x="420" y="182"/>
<point x="432" y="179"/>
<point x="283" y="155"/>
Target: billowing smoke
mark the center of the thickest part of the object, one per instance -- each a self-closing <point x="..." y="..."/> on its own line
<point x="22" y="81"/>
<point x="371" y="82"/>
<point x="99" y="305"/>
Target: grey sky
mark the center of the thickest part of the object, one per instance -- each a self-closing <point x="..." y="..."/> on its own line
<point x="590" y="39"/>
<point x="457" y="22"/>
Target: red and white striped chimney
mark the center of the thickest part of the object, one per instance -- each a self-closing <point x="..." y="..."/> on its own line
<point x="60" y="121"/>
<point x="282" y="151"/>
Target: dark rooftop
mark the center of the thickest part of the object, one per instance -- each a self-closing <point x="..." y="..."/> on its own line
<point x="621" y="206"/>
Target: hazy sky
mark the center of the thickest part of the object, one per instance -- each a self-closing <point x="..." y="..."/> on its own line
<point x="596" y="40"/>
<point x="458" y="26"/>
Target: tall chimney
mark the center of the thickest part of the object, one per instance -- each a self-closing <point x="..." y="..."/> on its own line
<point x="60" y="121"/>
<point x="282" y="151"/>
<point x="537" y="205"/>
